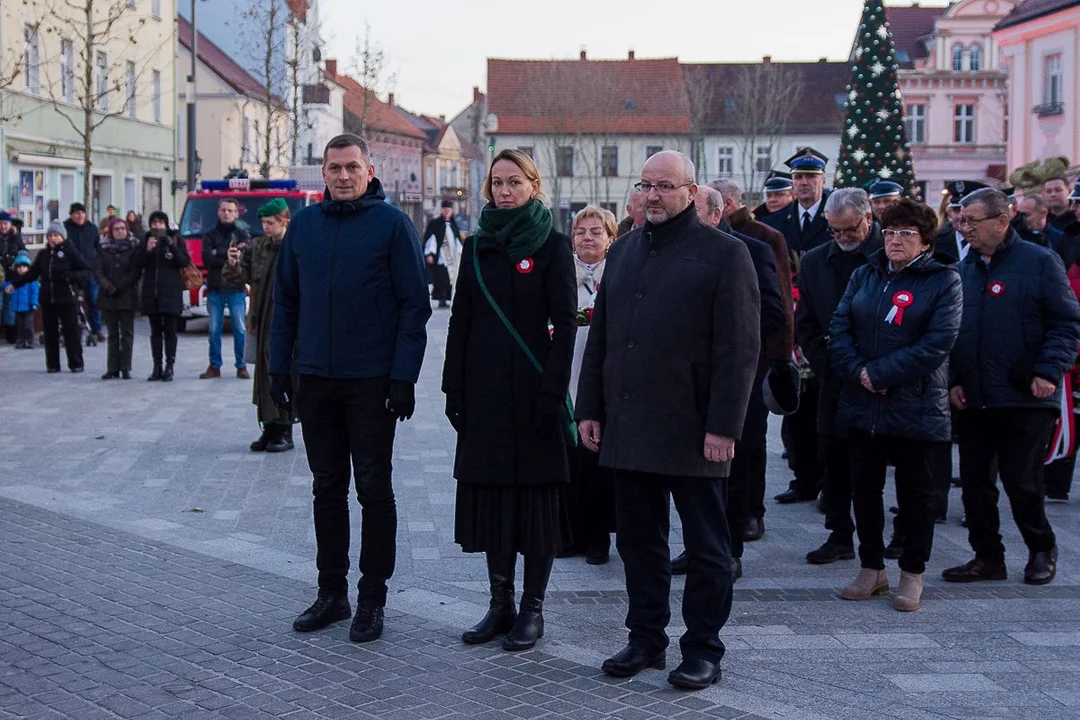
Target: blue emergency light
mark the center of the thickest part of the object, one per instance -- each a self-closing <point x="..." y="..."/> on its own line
<point x="248" y="184"/>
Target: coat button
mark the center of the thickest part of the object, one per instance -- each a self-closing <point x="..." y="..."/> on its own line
<point x="652" y="253"/>
<point x="629" y="344"/>
<point x="626" y="396"/>
<point x="639" y="294"/>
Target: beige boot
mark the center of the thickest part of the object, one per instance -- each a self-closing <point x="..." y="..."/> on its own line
<point x="868" y="583"/>
<point x="908" y="596"/>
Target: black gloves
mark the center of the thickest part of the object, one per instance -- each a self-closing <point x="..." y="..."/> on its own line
<point x="545" y="420"/>
<point x="401" y="402"/>
<point x="455" y="411"/>
<point x="281" y="391"/>
<point x="110" y="290"/>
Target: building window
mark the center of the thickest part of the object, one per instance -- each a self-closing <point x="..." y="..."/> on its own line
<point x="181" y="135"/>
<point x="964" y="123"/>
<point x="564" y="161"/>
<point x="245" y="140"/>
<point x="67" y="70"/>
<point x="915" y="120"/>
<point x="102" y="82"/>
<point x="611" y="207"/>
<point x="1052" y="89"/>
<point x="957" y="57"/>
<point x="155" y="96"/>
<point x="762" y="159"/>
<point x="129" y="89"/>
<point x="651" y="150"/>
<point x="725" y="161"/>
<point x="528" y="150"/>
<point x="32" y="59"/>
<point x="131" y="3"/>
<point x="975" y="58"/>
<point x="155" y="8"/>
<point x="609" y="161"/>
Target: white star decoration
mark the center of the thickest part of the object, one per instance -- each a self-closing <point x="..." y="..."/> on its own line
<point x="882" y="32"/>
<point x="852" y="131"/>
<point x="852" y="95"/>
<point x="885" y="173"/>
<point x="877" y="68"/>
<point x="859" y="155"/>
<point x="883" y="115"/>
<point x="859" y="52"/>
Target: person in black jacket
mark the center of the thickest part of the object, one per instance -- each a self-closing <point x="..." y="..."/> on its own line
<point x="83" y="235"/>
<point x="219" y="294"/>
<point x="511" y="461"/>
<point x="1019" y="336"/>
<point x="889" y="341"/>
<point x="665" y="382"/>
<point x="442" y="243"/>
<point x="160" y="258"/>
<point x="11" y="245"/>
<point x="62" y="271"/>
<point x="118" y="275"/>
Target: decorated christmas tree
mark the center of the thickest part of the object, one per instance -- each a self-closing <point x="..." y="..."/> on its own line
<point x="874" y="144"/>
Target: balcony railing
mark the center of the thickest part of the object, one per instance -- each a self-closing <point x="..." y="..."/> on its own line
<point x="1049" y="109"/>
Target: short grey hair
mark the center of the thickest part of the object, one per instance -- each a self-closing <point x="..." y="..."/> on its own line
<point x="714" y="200"/>
<point x="1039" y="200"/>
<point x="996" y="202"/>
<point x="729" y="189"/>
<point x="843" y="199"/>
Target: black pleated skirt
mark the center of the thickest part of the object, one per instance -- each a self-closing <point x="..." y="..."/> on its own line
<point x="508" y="519"/>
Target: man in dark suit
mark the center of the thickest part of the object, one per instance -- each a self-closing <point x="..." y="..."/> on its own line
<point x="665" y="382"/>
<point x="950" y="244"/>
<point x="804" y="227"/>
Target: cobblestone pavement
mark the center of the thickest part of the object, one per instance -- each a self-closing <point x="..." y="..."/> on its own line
<point x="151" y="567"/>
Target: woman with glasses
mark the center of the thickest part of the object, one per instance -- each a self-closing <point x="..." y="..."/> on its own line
<point x="505" y="377"/>
<point x="590" y="498"/>
<point x="890" y="339"/>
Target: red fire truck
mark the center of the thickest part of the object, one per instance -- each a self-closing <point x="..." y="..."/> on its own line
<point x="200" y="213"/>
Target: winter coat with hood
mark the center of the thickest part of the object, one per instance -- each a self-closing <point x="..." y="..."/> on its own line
<point x="118" y="274"/>
<point x="162" y="286"/>
<point x="61" y="271"/>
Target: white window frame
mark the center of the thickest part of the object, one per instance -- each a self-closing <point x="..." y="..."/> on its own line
<point x="964" y="123"/>
<point x="32" y="58"/>
<point x="975" y="57"/>
<point x="155" y="96"/>
<point x="915" y="119"/>
<point x="101" y="69"/>
<point x="762" y="159"/>
<point x="1052" y="78"/>
<point x="67" y="70"/>
<point x="130" y="89"/>
<point x="725" y="161"/>
<point x="155" y="9"/>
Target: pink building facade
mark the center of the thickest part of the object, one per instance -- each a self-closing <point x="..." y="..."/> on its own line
<point x="1040" y="43"/>
<point x="955" y="91"/>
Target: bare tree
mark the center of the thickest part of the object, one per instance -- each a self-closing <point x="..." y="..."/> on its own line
<point x="764" y="96"/>
<point x="18" y="61"/>
<point x="700" y="89"/>
<point x="265" y="33"/>
<point x="370" y="69"/>
<point x="94" y="28"/>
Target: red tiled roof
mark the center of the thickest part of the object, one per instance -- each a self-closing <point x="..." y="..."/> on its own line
<point x="818" y="109"/>
<point x="380" y="116"/>
<point x="589" y="96"/>
<point x="909" y="23"/>
<point x="298" y="9"/>
<point x="1033" y="9"/>
<point x="221" y="64"/>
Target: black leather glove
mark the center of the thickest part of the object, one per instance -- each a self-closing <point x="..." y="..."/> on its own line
<point x="401" y="402"/>
<point x="455" y="411"/>
<point x="545" y="419"/>
<point x="281" y="391"/>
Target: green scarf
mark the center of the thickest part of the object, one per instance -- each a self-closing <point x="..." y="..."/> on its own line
<point x="521" y="231"/>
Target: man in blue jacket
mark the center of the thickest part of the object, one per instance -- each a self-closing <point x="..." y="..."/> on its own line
<point x="1018" y="337"/>
<point x="350" y="306"/>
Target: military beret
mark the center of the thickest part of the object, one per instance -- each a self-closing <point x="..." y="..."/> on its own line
<point x="272" y="207"/>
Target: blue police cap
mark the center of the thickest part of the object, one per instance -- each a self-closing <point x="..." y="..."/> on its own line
<point x="1075" y="194"/>
<point x="808" y="160"/>
<point x="884" y="188"/>
<point x="958" y="189"/>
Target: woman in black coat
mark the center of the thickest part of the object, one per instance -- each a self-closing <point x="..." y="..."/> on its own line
<point x="161" y="257"/>
<point x="118" y="277"/>
<point x="62" y="271"/>
<point x="890" y="339"/>
<point x="511" y="454"/>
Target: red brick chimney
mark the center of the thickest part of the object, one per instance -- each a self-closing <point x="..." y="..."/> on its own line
<point x="583" y="56"/>
<point x="331" y="68"/>
<point x="630" y="55"/>
<point x="390" y="99"/>
<point x="476" y="94"/>
<point x="767" y="60"/>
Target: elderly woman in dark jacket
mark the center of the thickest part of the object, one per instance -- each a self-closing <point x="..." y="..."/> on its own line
<point x="161" y="257"/>
<point x="118" y="277"/>
<point x="511" y="455"/>
<point x="890" y="340"/>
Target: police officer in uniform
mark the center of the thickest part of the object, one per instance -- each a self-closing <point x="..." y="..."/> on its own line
<point x="777" y="194"/>
<point x="883" y="193"/>
<point x="949" y="243"/>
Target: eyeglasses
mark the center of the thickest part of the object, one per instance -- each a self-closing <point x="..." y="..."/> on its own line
<point x="847" y="232"/>
<point x="596" y="232"/>
<point x="900" y="234"/>
<point x="962" y="221"/>
<point x="662" y="188"/>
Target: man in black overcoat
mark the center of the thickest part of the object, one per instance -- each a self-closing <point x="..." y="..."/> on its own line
<point x="665" y="383"/>
<point x="441" y="239"/>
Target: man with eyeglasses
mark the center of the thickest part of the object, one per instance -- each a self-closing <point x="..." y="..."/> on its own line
<point x="1018" y="337"/>
<point x="665" y="383"/>
<point x="950" y="243"/>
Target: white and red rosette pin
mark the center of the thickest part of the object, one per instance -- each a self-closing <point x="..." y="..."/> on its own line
<point x="525" y="266"/>
<point x="901" y="300"/>
<point x="997" y="288"/>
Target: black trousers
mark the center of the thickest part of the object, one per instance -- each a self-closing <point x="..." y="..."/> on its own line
<point x="440" y="280"/>
<point x="914" y="495"/>
<point x="162" y="328"/>
<point x="746" y="485"/>
<point x="24" y="324"/>
<point x="121" y="326"/>
<point x="642" y="516"/>
<point x="800" y="429"/>
<point x="838" y="489"/>
<point x="590" y="500"/>
<point x="348" y="431"/>
<point x="1017" y="438"/>
<point x="1058" y="477"/>
<point x="56" y="319"/>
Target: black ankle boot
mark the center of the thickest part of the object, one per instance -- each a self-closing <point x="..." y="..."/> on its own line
<point x="500" y="615"/>
<point x="156" y="375"/>
<point x="167" y="375"/>
<point x="264" y="439"/>
<point x="529" y="626"/>
<point x="280" y="438"/>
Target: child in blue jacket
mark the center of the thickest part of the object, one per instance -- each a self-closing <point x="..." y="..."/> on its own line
<point x="24" y="301"/>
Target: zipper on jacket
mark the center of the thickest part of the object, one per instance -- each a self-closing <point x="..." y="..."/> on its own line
<point x="330" y="303"/>
<point x="52" y="282"/>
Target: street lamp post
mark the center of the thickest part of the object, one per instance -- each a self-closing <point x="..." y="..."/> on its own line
<point x="192" y="153"/>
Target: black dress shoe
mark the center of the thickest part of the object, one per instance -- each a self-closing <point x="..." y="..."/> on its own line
<point x="755" y="528"/>
<point x="895" y="548"/>
<point x="974" y="571"/>
<point x="694" y="674"/>
<point x="830" y="552"/>
<point x="1041" y="567"/>
<point x="791" y="495"/>
<point x="820" y="504"/>
<point x="736" y="567"/>
<point x="110" y="375"/>
<point x="631" y="660"/>
<point x="679" y="563"/>
<point x="599" y="551"/>
<point x="367" y="624"/>
<point x="125" y="374"/>
<point x="53" y="370"/>
<point x="77" y="369"/>
<point x="326" y="610"/>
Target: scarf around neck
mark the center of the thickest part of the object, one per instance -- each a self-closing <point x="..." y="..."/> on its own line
<point x="520" y="231"/>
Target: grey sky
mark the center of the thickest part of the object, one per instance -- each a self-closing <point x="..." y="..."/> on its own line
<point x="438" y="49"/>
